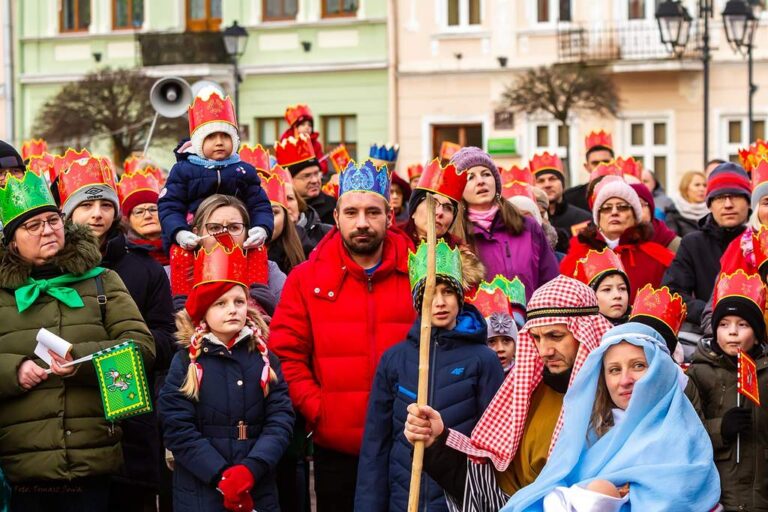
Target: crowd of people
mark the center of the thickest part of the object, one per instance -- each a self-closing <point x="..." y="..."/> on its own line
<point x="277" y="301"/>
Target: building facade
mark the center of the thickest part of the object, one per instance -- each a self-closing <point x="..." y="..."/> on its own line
<point x="456" y="57"/>
<point x="330" y="54"/>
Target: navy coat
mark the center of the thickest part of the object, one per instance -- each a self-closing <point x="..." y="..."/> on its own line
<point x="464" y="375"/>
<point x="203" y="435"/>
<point x="189" y="184"/>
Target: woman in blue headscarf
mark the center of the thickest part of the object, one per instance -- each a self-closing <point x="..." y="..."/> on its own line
<point x="631" y="440"/>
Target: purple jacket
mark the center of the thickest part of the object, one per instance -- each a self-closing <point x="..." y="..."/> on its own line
<point x="527" y="255"/>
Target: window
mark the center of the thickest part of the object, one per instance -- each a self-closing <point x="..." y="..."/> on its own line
<point x="463" y="12"/>
<point x="127" y="13"/>
<point x="338" y="8"/>
<point x="550" y="11"/>
<point x="737" y="134"/>
<point x="649" y="144"/>
<point x="642" y="9"/>
<point x="340" y="129"/>
<point x="279" y="9"/>
<point x="552" y="137"/>
<point x="203" y="15"/>
<point x="461" y="134"/>
<point x="269" y="130"/>
<point x="75" y="15"/>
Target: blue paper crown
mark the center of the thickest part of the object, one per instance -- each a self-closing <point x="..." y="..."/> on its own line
<point x="384" y="153"/>
<point x="364" y="178"/>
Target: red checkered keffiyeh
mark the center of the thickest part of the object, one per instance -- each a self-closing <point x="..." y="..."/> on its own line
<point x="497" y="435"/>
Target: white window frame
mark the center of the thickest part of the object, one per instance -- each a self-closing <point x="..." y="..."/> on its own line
<point x="726" y="148"/>
<point x="648" y="151"/>
<point x="532" y="147"/>
<point x="554" y="10"/>
<point x="441" y="9"/>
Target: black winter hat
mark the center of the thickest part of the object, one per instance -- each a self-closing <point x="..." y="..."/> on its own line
<point x="9" y="157"/>
<point x="741" y="307"/>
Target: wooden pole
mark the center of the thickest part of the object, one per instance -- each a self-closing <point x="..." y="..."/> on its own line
<point x="424" y="342"/>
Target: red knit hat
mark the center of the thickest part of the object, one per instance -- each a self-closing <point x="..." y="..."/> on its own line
<point x="203" y="295"/>
<point x="137" y="198"/>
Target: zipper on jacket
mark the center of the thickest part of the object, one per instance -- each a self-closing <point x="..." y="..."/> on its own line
<point x="506" y="246"/>
<point x="218" y="180"/>
<point x="370" y="283"/>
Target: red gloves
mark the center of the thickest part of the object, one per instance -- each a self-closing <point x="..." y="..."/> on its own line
<point x="236" y="483"/>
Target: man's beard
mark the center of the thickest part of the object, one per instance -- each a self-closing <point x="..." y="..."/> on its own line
<point x="363" y="248"/>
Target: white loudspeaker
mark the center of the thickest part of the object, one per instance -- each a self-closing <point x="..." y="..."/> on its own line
<point x="171" y="96"/>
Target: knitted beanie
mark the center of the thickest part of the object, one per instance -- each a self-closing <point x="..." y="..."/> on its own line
<point x="728" y="178"/>
<point x="207" y="129"/>
<point x="501" y="324"/>
<point x="759" y="192"/>
<point x="9" y="157"/>
<point x="620" y="189"/>
<point x="91" y="192"/>
<point x="741" y="307"/>
<point x="471" y="156"/>
<point x="137" y="198"/>
<point x="527" y="207"/>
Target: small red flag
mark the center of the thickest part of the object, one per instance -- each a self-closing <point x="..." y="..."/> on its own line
<point x="339" y="158"/>
<point x="747" y="380"/>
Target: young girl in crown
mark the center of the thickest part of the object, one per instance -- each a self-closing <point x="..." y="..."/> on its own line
<point x="209" y="164"/>
<point x="225" y="410"/>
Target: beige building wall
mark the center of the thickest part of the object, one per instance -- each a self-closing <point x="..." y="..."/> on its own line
<point x="661" y="117"/>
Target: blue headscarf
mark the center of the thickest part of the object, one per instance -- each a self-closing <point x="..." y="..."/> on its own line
<point x="660" y="447"/>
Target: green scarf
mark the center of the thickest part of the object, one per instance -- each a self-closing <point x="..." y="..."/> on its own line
<point x="27" y="295"/>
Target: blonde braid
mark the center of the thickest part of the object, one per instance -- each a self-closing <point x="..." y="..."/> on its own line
<point x="191" y="385"/>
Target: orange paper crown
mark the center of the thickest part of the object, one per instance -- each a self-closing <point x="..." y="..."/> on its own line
<point x="283" y="173"/>
<point x="220" y="264"/>
<point x="545" y="162"/>
<point x="294" y="150"/>
<point x="749" y="157"/>
<point x="331" y="187"/>
<point x="274" y="185"/>
<point x="740" y="284"/>
<point x="443" y="180"/>
<point x="516" y="173"/>
<point x="214" y="109"/>
<point x="339" y="158"/>
<point x="600" y="139"/>
<point x="630" y="166"/>
<point x="517" y="188"/>
<point x="415" y="171"/>
<point x="257" y="157"/>
<point x="34" y="147"/>
<point x="448" y="149"/>
<point x="596" y="264"/>
<point x="760" y="246"/>
<point x="488" y="302"/>
<point x="662" y="305"/>
<point x="61" y="162"/>
<point x="760" y="172"/>
<point x="41" y="165"/>
<point x="606" y="169"/>
<point x="296" y="112"/>
<point x="83" y="173"/>
<point x="137" y="181"/>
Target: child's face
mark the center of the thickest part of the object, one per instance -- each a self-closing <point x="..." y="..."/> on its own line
<point x="217" y="146"/>
<point x="734" y="333"/>
<point x="226" y="316"/>
<point x="445" y="307"/>
<point x="504" y="346"/>
<point x="304" y="127"/>
<point x="613" y="296"/>
<point x="98" y="214"/>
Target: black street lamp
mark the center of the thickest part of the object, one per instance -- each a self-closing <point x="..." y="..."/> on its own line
<point x="235" y="39"/>
<point x="674" y="29"/>
<point x="740" y="24"/>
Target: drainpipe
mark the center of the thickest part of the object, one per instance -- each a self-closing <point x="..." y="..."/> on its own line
<point x="394" y="102"/>
<point x="8" y="69"/>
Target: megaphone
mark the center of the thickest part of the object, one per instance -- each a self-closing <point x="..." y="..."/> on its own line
<point x="171" y="96"/>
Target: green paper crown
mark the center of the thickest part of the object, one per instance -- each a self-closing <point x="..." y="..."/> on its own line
<point x="19" y="196"/>
<point x="514" y="289"/>
<point x="447" y="263"/>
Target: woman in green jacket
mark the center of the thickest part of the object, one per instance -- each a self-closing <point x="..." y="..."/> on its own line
<point x="56" y="448"/>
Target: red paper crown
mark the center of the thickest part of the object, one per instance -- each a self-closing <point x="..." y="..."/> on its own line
<point x="662" y="305"/>
<point x="740" y="284"/>
<point x="443" y="180"/>
<point x="598" y="139"/>
<point x="595" y="264"/>
<point x="331" y="187"/>
<point x="137" y="181"/>
<point x="760" y="246"/>
<point x="517" y="188"/>
<point x="41" y="165"/>
<point x="274" y="185"/>
<point x="294" y="150"/>
<point x="83" y="173"/>
<point x="415" y="171"/>
<point x="220" y="264"/>
<point x="545" y="162"/>
<point x="489" y="303"/>
<point x="283" y="173"/>
<point x="257" y="157"/>
<point x="760" y="172"/>
<point x="61" y="162"/>
<point x="750" y="157"/>
<point x="516" y="173"/>
<point x="213" y="110"/>
<point x="296" y="112"/>
<point x="34" y="147"/>
<point x="631" y="167"/>
<point x="448" y="149"/>
<point x="339" y="157"/>
<point x="184" y="270"/>
<point x="603" y="169"/>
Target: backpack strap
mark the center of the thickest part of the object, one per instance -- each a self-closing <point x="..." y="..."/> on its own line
<point x="101" y="297"/>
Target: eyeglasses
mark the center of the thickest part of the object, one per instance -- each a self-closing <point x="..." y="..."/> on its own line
<point x="621" y="208"/>
<point x="139" y="212"/>
<point x="725" y="197"/>
<point x="446" y="207"/>
<point x="36" y="227"/>
<point x="234" y="228"/>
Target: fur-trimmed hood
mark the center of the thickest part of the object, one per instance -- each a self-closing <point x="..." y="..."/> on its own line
<point x="79" y="254"/>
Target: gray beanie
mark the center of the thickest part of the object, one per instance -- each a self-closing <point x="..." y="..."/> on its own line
<point x="91" y="193"/>
<point x="472" y="156"/>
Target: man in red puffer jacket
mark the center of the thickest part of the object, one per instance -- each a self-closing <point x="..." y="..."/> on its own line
<point x="339" y="311"/>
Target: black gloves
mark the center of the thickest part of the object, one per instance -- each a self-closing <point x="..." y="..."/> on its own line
<point x="737" y="420"/>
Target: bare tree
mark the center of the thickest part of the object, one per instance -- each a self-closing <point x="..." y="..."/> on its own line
<point x="108" y="103"/>
<point x="561" y="90"/>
